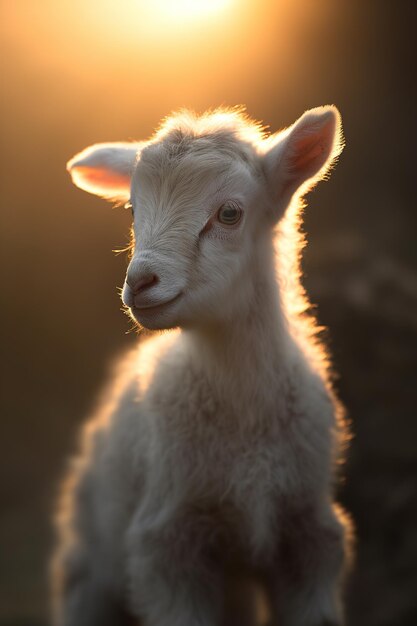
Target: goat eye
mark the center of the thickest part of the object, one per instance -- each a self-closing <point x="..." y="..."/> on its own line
<point x="229" y="214"/>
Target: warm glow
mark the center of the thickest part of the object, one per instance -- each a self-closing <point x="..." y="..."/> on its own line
<point x="124" y="65"/>
<point x="187" y="9"/>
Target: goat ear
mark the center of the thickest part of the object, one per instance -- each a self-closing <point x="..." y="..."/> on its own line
<point x="105" y="169"/>
<point x="303" y="154"/>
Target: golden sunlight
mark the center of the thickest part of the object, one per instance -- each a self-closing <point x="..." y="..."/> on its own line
<point x="187" y="9"/>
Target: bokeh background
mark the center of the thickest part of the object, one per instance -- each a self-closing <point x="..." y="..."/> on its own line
<point x="75" y="72"/>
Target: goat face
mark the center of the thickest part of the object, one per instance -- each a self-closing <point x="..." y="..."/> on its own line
<point x="193" y="236"/>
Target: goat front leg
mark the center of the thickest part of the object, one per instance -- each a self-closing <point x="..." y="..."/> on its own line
<point x="81" y="596"/>
<point x="171" y="581"/>
<point x="306" y="584"/>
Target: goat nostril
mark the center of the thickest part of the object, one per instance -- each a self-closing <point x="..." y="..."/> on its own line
<point x="144" y="283"/>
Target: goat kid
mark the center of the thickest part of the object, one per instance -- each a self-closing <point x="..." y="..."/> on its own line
<point x="213" y="461"/>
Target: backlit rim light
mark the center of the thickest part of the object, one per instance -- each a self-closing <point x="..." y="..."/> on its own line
<point x="184" y="10"/>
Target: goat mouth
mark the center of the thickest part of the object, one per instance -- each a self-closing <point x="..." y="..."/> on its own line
<point x="154" y="308"/>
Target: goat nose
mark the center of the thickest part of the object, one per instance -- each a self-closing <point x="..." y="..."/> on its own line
<point x="141" y="283"/>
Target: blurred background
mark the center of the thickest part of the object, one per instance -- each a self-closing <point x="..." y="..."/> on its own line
<point x="75" y="72"/>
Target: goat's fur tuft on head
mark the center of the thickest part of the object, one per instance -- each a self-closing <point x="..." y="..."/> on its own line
<point x="213" y="463"/>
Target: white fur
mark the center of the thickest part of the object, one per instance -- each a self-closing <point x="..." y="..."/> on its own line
<point x="212" y="461"/>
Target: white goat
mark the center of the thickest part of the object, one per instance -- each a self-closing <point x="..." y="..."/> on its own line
<point x="209" y="471"/>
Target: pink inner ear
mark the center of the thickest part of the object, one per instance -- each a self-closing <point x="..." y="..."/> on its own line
<point x="101" y="179"/>
<point x="98" y="180"/>
<point x="310" y="153"/>
<point x="311" y="149"/>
